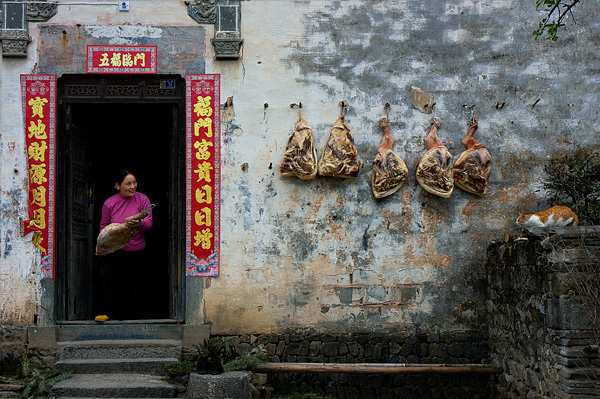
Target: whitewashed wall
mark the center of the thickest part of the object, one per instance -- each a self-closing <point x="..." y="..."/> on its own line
<point x="324" y="254"/>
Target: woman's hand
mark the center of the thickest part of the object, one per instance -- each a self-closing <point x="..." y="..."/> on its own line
<point x="134" y="223"/>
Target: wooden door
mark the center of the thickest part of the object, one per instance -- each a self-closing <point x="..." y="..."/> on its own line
<point x="79" y="243"/>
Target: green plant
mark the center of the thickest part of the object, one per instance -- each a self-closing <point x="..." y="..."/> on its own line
<point x="217" y="348"/>
<point x="10" y="366"/>
<point x="247" y="361"/>
<point x="39" y="382"/>
<point x="573" y="179"/>
<point x="37" y="378"/>
<point x="178" y="368"/>
<point x="556" y="12"/>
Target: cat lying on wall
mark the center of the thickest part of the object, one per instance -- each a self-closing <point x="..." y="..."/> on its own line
<point x="555" y="216"/>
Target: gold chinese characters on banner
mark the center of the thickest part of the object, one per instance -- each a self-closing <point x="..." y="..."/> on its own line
<point x="38" y="93"/>
<point x="121" y="59"/>
<point x="203" y="175"/>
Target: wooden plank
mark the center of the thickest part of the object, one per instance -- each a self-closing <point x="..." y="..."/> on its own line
<point x="378" y="368"/>
<point x="11" y="387"/>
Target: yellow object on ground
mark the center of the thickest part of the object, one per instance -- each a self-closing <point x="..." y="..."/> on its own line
<point x="101" y="317"/>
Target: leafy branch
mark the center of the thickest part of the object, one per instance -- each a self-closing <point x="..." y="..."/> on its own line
<point x="556" y="10"/>
<point x="572" y="178"/>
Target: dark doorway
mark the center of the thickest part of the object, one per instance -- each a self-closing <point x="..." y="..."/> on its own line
<point x="135" y="137"/>
<point x="97" y="137"/>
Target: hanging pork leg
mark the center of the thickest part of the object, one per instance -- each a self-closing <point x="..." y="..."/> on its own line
<point x="389" y="170"/>
<point x="473" y="167"/>
<point x="116" y="235"/>
<point x="339" y="157"/>
<point x="300" y="158"/>
<point x="434" y="172"/>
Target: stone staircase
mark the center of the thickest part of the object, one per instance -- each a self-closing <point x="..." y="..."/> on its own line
<point x="115" y="362"/>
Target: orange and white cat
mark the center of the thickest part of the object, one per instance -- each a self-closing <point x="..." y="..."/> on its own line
<point x="555" y="216"/>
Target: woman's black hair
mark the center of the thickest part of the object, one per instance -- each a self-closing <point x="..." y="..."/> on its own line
<point x="121" y="176"/>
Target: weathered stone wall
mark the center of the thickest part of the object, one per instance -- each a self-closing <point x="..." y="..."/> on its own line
<point x="540" y="331"/>
<point x="325" y="254"/>
<point x="465" y="347"/>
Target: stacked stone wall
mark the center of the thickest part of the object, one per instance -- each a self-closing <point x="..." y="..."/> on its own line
<point x="12" y="340"/>
<point x="539" y="328"/>
<point x="447" y="348"/>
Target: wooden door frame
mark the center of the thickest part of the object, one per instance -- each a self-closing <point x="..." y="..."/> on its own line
<point x="90" y="89"/>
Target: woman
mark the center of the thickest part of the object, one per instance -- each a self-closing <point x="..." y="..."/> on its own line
<point x="119" y="270"/>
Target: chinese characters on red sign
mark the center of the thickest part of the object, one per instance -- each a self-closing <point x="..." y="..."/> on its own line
<point x="38" y="94"/>
<point x="203" y="175"/>
<point x="121" y="59"/>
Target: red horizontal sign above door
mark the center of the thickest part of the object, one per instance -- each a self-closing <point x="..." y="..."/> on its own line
<point x="121" y="59"/>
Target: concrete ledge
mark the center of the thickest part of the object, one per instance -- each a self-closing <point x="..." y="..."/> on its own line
<point x="231" y="385"/>
<point x="46" y="337"/>
<point x="41" y="337"/>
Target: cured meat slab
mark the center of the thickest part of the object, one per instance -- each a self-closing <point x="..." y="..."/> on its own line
<point x="473" y="167"/>
<point x="339" y="157"/>
<point x="434" y="171"/>
<point x="300" y="157"/>
<point x="389" y="170"/>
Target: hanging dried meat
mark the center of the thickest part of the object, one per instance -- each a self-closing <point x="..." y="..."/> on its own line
<point x="300" y="157"/>
<point x="339" y="157"/>
<point x="389" y="170"/>
<point x="473" y="167"/>
<point x="434" y="172"/>
<point x="116" y="235"/>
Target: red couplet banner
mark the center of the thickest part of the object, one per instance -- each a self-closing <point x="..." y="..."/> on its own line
<point x="203" y="175"/>
<point x="121" y="59"/>
<point x="38" y="93"/>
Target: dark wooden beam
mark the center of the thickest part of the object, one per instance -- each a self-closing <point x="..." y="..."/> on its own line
<point x="378" y="368"/>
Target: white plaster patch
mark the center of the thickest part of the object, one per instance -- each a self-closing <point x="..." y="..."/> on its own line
<point x="537" y="68"/>
<point x="456" y="35"/>
<point x="400" y="30"/>
<point x="363" y="39"/>
<point x="361" y="67"/>
<point x="123" y="32"/>
<point x="414" y="64"/>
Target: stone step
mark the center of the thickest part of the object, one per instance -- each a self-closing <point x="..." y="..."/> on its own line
<point x="113" y="386"/>
<point x="105" y="331"/>
<point x="153" y="366"/>
<point x="229" y="385"/>
<point x="119" y="349"/>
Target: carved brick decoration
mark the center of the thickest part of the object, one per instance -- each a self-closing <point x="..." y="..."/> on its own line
<point x="82" y="90"/>
<point x="16" y="39"/>
<point x="227" y="48"/>
<point x="122" y="90"/>
<point x="14" y="43"/>
<point x="156" y="91"/>
<point x="129" y="88"/>
<point x="37" y="12"/>
<point x="202" y="11"/>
